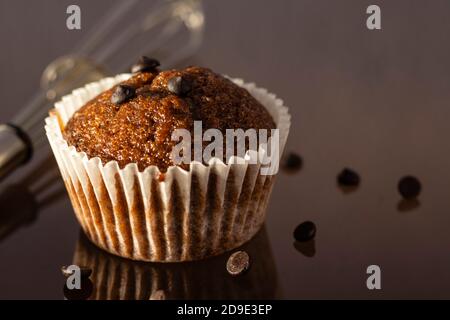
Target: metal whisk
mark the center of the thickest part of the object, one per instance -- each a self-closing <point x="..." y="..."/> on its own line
<point x="171" y="30"/>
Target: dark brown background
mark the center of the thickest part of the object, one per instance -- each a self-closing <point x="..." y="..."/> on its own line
<point x="377" y="101"/>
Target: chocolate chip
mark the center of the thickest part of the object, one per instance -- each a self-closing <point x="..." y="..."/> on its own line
<point x="158" y="295"/>
<point x="409" y="187"/>
<point x="292" y="162"/>
<point x="85" y="291"/>
<point x="85" y="272"/>
<point x="145" y="64"/>
<point x="178" y="85"/>
<point x="122" y="93"/>
<point x="305" y="231"/>
<point x="238" y="263"/>
<point x="348" y="177"/>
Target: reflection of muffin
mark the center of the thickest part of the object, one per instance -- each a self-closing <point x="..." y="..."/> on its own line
<point x="116" y="278"/>
<point x="113" y="146"/>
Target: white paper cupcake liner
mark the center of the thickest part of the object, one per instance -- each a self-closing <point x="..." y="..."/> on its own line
<point x="190" y="215"/>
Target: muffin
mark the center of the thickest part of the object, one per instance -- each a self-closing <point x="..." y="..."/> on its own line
<point x="113" y="141"/>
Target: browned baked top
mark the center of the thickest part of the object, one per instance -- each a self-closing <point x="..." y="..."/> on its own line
<point x="138" y="130"/>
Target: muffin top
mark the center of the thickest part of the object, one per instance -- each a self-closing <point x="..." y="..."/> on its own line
<point x="133" y="121"/>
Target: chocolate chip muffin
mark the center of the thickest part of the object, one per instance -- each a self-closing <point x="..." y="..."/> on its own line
<point x="133" y="121"/>
<point x="112" y="140"/>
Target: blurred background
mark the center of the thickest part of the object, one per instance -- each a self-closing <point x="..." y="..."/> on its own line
<point x="375" y="101"/>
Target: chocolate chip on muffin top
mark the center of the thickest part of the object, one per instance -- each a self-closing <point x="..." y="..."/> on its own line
<point x="133" y="121"/>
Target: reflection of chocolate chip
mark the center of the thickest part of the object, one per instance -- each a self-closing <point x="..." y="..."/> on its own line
<point x="122" y="93"/>
<point x="158" y="295"/>
<point x="145" y="64"/>
<point x="348" y="177"/>
<point x="305" y="231"/>
<point x="178" y="85"/>
<point x="406" y="205"/>
<point x="292" y="162"/>
<point x="85" y="291"/>
<point x="85" y="272"/>
<point x="238" y="263"/>
<point x="307" y="248"/>
<point x="409" y="187"/>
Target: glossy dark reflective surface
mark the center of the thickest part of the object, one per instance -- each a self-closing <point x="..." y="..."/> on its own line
<point x="373" y="101"/>
<point x="117" y="278"/>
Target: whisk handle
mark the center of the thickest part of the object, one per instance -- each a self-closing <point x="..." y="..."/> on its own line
<point x="15" y="149"/>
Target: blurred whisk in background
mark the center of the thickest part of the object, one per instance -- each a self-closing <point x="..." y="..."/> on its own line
<point x="171" y="30"/>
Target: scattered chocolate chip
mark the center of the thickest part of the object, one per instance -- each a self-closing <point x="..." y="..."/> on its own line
<point x="158" y="295"/>
<point x="122" y="93"/>
<point x="348" y="177"/>
<point x="85" y="291"/>
<point x="178" y="85"/>
<point x="238" y="263"/>
<point x="145" y="64"/>
<point x="305" y="231"/>
<point x="292" y="162"/>
<point x="84" y="271"/>
<point x="409" y="187"/>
